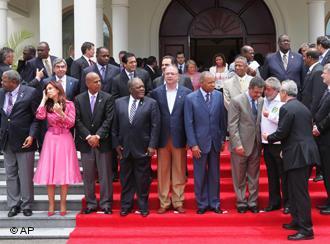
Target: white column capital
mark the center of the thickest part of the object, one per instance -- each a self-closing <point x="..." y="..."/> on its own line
<point x="4" y="4"/>
<point x="120" y="3"/>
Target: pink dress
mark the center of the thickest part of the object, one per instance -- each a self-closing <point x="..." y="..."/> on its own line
<point x="58" y="162"/>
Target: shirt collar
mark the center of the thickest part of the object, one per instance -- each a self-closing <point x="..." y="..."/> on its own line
<point x="100" y="66"/>
<point x="287" y="54"/>
<point x="204" y="92"/>
<point x="128" y="73"/>
<point x="63" y="79"/>
<point x="15" y="91"/>
<point x="312" y="66"/>
<point x="90" y="94"/>
<point x="131" y="98"/>
<point x="177" y="86"/>
<point x="248" y="95"/>
<point x="243" y="78"/>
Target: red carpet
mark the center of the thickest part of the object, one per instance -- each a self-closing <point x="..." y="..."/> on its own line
<point x="192" y="228"/>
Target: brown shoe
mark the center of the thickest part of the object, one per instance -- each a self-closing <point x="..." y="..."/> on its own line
<point x="180" y="210"/>
<point x="161" y="210"/>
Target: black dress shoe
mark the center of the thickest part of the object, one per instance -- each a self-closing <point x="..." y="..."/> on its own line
<point x="299" y="236"/>
<point x="144" y="213"/>
<point x="318" y="178"/>
<point x="254" y="209"/>
<point x="217" y="210"/>
<point x="14" y="211"/>
<point x="27" y="212"/>
<point x="290" y="226"/>
<point x="272" y="208"/>
<point x="242" y="209"/>
<point x="124" y="212"/>
<point x="325" y="211"/>
<point x="286" y="210"/>
<point x="89" y="210"/>
<point x="201" y="211"/>
<point x="107" y="210"/>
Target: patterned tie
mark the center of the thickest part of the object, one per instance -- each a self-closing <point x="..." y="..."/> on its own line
<point x="285" y="61"/>
<point x="254" y="109"/>
<point x="48" y="68"/>
<point x="132" y="111"/>
<point x="10" y="104"/>
<point x="131" y="75"/>
<point x="208" y="99"/>
<point x="102" y="71"/>
<point x="92" y="102"/>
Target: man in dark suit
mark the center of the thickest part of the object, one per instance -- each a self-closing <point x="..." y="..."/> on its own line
<point x="43" y="61"/>
<point x="94" y="117"/>
<point x="313" y="87"/>
<point x="323" y="46"/>
<point x="29" y="52"/>
<point x="284" y="64"/>
<point x="119" y="85"/>
<point x="299" y="152"/>
<point x="6" y="59"/>
<point x="70" y="84"/>
<point x="135" y="136"/>
<point x="181" y="62"/>
<point x="78" y="65"/>
<point x="322" y="134"/>
<point x="172" y="152"/>
<point x="106" y="71"/>
<point x="19" y="126"/>
<point x="69" y="60"/>
<point x="152" y="68"/>
<point x="183" y="80"/>
<point x="205" y="127"/>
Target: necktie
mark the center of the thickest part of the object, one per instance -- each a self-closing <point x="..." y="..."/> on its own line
<point x="132" y="111"/>
<point x="180" y="69"/>
<point x="285" y="61"/>
<point x="10" y="103"/>
<point x="92" y="103"/>
<point x="131" y="75"/>
<point x="208" y="99"/>
<point x="48" y="68"/>
<point x="90" y="62"/>
<point x="102" y="71"/>
<point x="254" y="109"/>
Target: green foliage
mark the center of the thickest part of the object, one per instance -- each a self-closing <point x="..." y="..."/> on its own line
<point x="15" y="42"/>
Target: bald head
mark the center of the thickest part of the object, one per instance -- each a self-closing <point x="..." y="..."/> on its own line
<point x="93" y="82"/>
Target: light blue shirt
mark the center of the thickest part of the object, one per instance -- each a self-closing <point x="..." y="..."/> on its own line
<point x="14" y="94"/>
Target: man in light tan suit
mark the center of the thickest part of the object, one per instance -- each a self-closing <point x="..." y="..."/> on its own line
<point x="237" y="84"/>
<point x="244" y="118"/>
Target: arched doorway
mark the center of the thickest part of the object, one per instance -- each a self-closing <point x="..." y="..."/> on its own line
<point x="202" y="28"/>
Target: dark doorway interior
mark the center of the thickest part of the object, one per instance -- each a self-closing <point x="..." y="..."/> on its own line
<point x="202" y="50"/>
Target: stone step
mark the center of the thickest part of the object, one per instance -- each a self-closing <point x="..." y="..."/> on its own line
<point x="74" y="202"/>
<point x="37" y="233"/>
<point x="42" y="189"/>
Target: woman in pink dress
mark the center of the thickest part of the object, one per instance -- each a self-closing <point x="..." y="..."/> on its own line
<point x="58" y="162"/>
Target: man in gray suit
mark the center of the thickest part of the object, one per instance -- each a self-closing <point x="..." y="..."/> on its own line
<point x="183" y="80"/>
<point x="244" y="117"/>
<point x="94" y="116"/>
<point x="237" y="84"/>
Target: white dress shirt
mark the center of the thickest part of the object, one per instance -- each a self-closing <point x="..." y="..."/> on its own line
<point x="63" y="81"/>
<point x="171" y="95"/>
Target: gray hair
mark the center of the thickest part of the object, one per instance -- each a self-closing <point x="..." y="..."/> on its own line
<point x="4" y="53"/>
<point x="241" y="58"/>
<point x="274" y="83"/>
<point x="327" y="67"/>
<point x="290" y="88"/>
<point x="131" y="82"/>
<point x="204" y="75"/>
<point x="12" y="75"/>
<point x="58" y="61"/>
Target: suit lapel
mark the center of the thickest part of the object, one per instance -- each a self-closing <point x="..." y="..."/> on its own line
<point x="164" y="98"/>
<point x="2" y="99"/>
<point x="68" y="86"/>
<point x="20" y="96"/>
<point x="87" y="105"/>
<point x="202" y="101"/>
<point x="248" y="106"/>
<point x="98" y="101"/>
<point x="280" y="61"/>
<point x="178" y="98"/>
<point x="138" y="111"/>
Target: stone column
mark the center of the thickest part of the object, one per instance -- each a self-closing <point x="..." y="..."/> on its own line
<point x="99" y="23"/>
<point x="84" y="24"/>
<point x="51" y="25"/>
<point x="3" y="22"/>
<point x="119" y="26"/>
<point x="316" y="15"/>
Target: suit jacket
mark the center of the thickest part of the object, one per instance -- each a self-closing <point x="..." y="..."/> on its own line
<point x="273" y="66"/>
<point x="152" y="73"/>
<point x="326" y="59"/>
<point x="110" y="72"/>
<point x="295" y="133"/>
<point x="119" y="85"/>
<point x="71" y="89"/>
<point x="142" y="133"/>
<point x="97" y="123"/>
<point x="21" y="122"/>
<point x="243" y="129"/>
<point x="33" y="64"/>
<point x="232" y="88"/>
<point x="78" y="66"/>
<point x="69" y="62"/>
<point x="313" y="88"/>
<point x="172" y="124"/>
<point x="205" y="126"/>
<point x="183" y="81"/>
<point x="323" y="110"/>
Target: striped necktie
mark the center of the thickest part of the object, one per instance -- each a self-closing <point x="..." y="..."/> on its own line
<point x="10" y="103"/>
<point x="132" y="111"/>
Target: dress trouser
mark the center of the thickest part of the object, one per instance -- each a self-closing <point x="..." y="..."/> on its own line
<point x="277" y="178"/>
<point x="171" y="167"/>
<point x="19" y="178"/>
<point x="135" y="178"/>
<point x="300" y="203"/>
<point x="325" y="166"/>
<point x="242" y="168"/>
<point x="98" y="161"/>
